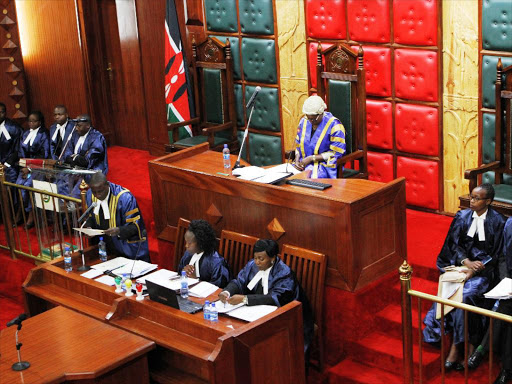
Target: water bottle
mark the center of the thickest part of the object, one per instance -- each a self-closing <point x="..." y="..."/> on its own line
<point x="184" y="285"/>
<point x="102" y="250"/>
<point x="214" y="314"/>
<point x="496" y="305"/>
<point x="226" y="159"/>
<point x="206" y="310"/>
<point x="68" y="267"/>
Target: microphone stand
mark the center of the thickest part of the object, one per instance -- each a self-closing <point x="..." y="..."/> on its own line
<point x="20" y="365"/>
<point x="237" y="163"/>
<point x="83" y="267"/>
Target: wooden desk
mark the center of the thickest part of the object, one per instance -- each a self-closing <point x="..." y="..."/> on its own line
<point x="358" y="224"/>
<point x="62" y="345"/>
<point x="189" y="349"/>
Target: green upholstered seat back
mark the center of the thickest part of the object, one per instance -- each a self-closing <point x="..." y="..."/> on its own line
<point x="264" y="149"/>
<point x="266" y="113"/>
<point x="340" y="93"/>
<point x="213" y="96"/>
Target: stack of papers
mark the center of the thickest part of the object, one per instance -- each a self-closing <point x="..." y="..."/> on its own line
<point x="262" y="175"/>
<point x="244" y="312"/>
<point x="135" y="268"/>
<point x="158" y="277"/>
<point x="203" y="289"/>
<point x="502" y="291"/>
<point x="111" y="265"/>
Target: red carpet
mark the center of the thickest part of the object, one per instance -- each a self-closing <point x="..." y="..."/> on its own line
<point x="362" y="331"/>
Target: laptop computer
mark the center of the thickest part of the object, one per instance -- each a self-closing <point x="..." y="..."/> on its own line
<point x="169" y="297"/>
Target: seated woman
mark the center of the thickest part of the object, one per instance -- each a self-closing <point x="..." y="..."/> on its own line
<point x="201" y="260"/>
<point x="320" y="140"/>
<point x="475" y="234"/>
<point x="267" y="280"/>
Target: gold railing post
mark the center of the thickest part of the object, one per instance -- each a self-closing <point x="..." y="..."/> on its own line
<point x="6" y="214"/>
<point x="405" y="272"/>
<point x="83" y="192"/>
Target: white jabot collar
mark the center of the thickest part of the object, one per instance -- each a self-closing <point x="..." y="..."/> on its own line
<point x="80" y="142"/>
<point x="61" y="129"/>
<point x="104" y="205"/>
<point x="477" y="226"/>
<point x="31" y="136"/>
<point x="195" y="262"/>
<point x="263" y="276"/>
<point x="4" y="131"/>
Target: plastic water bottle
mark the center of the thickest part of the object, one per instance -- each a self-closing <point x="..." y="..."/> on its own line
<point x="102" y="250"/>
<point x="226" y="159"/>
<point x="206" y="310"/>
<point x="214" y="314"/>
<point x="184" y="285"/>
<point x="68" y="267"/>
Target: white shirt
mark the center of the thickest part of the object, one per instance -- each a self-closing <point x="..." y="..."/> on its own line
<point x="61" y="129"/>
<point x="103" y="204"/>
<point x="4" y="131"/>
<point x="31" y="136"/>
<point x="195" y="262"/>
<point x="263" y="276"/>
<point x="80" y="142"/>
<point x="477" y="226"/>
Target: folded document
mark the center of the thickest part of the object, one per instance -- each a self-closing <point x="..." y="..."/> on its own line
<point x="502" y="291"/>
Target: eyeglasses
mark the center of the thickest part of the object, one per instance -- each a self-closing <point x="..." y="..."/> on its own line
<point x="476" y="198"/>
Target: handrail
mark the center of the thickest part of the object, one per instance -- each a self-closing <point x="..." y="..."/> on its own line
<point x="59" y="196"/>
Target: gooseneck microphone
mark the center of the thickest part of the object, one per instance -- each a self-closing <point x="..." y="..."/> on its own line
<point x="88" y="211"/>
<point x="17" y="320"/>
<point x="253" y="97"/>
<point x="250" y="105"/>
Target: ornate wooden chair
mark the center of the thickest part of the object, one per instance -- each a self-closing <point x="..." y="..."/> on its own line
<point x="341" y="83"/>
<point x="237" y="249"/>
<point x="179" y="243"/>
<point x="499" y="171"/>
<point x="214" y="97"/>
<point x="310" y="267"/>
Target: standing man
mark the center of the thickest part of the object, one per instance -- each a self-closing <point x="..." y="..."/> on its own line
<point x="60" y="131"/>
<point x="10" y="134"/>
<point x="118" y="214"/>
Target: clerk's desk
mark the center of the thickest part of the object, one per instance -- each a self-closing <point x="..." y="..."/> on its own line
<point x="358" y="224"/>
<point x="189" y="349"/>
<point x="63" y="346"/>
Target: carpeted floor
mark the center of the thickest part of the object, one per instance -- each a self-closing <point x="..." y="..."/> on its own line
<point x="362" y="332"/>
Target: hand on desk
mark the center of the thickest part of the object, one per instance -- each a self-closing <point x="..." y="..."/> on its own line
<point x="190" y="270"/>
<point x="233" y="300"/>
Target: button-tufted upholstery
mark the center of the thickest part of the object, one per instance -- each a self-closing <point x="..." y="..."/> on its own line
<point x="416" y="74"/>
<point x="379" y="126"/>
<point x="415" y="22"/>
<point x="259" y="60"/>
<point x="256" y="16"/>
<point x="266" y="113"/>
<point x="416" y="129"/>
<point x="497" y="25"/>
<point x="489" y="78"/>
<point x="422" y="181"/>
<point x="380" y="166"/>
<point x="368" y="20"/>
<point x="213" y="93"/>
<point x="239" y="105"/>
<point x="221" y="15"/>
<point x="264" y="149"/>
<point x="488" y="137"/>
<point x="377" y="63"/>
<point x="326" y="19"/>
<point x="312" y="57"/>
<point x="339" y="105"/>
<point x="235" y="53"/>
<point x="240" y="136"/>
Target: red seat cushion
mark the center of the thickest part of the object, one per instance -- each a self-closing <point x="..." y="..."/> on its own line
<point x="368" y="20"/>
<point x="326" y="19"/>
<point x="415" y="22"/>
<point x="422" y="181"/>
<point x="380" y="166"/>
<point x="416" y="74"/>
<point x="416" y="128"/>
<point x="379" y="122"/>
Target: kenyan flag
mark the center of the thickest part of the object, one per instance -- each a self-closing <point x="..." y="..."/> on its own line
<point x="177" y="91"/>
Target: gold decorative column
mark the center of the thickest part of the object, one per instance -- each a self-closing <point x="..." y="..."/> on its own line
<point x="460" y="96"/>
<point x="292" y="64"/>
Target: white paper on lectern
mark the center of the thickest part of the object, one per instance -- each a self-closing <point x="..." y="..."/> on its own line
<point x="111" y="265"/>
<point x="90" y="231"/>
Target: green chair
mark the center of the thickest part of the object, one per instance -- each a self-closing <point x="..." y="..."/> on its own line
<point x="214" y="97"/>
<point x="341" y="83"/>
<point x="496" y="169"/>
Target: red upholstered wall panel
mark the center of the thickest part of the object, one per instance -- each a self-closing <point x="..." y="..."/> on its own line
<point x="368" y="20"/>
<point x="312" y="60"/>
<point x="416" y="74"/>
<point x="377" y="63"/>
<point x="326" y="19"/>
<point x="416" y="129"/>
<point x="422" y="181"/>
<point x="380" y="166"/>
<point x="415" y="22"/>
<point x="379" y="124"/>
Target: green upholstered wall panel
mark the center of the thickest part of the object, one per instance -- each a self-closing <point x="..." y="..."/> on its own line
<point x="213" y="94"/>
<point x="264" y="150"/>
<point x="256" y="16"/>
<point x="488" y="177"/>
<point x="221" y="15"/>
<point x="339" y="106"/>
<point x="240" y="136"/>
<point x="259" y="60"/>
<point x="489" y="78"/>
<point x="266" y="109"/>
<point x="235" y="52"/>
<point x="497" y="25"/>
<point x="488" y="137"/>
<point x="239" y="104"/>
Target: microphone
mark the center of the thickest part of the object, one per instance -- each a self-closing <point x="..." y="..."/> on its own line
<point x="251" y="100"/>
<point x="289" y="159"/>
<point x="88" y="211"/>
<point x="142" y="238"/>
<point x="17" y="320"/>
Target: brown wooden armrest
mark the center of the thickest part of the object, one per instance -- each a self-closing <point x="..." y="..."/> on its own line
<point x="350" y="157"/>
<point x="474" y="172"/>
<point x="173" y="126"/>
<point x="217" y="128"/>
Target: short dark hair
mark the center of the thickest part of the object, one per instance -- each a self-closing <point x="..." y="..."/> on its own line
<point x="40" y="117"/>
<point x="98" y="178"/>
<point x="489" y="190"/>
<point x="3" y="105"/>
<point x="61" y="106"/>
<point x="270" y="247"/>
<point x="204" y="234"/>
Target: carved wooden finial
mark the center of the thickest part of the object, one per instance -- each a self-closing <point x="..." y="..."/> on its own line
<point x="360" y="54"/>
<point x="405" y="271"/>
<point x="228" y="49"/>
<point x="194" y="47"/>
<point x="2" y="173"/>
<point x="319" y="55"/>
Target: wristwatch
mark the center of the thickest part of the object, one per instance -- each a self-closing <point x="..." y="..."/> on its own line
<point x="245" y="300"/>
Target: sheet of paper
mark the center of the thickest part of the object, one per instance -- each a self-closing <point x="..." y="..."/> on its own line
<point x="111" y="265"/>
<point x="284" y="168"/>
<point x="252" y="313"/>
<point x="270" y="178"/>
<point x="135" y="268"/>
<point x="92" y="273"/>
<point x="175" y="284"/>
<point x="108" y="280"/>
<point x="158" y="277"/>
<point x="249" y="173"/>
<point x="225" y="308"/>
<point x="203" y="289"/>
<point x="90" y="231"/>
<point x="502" y="291"/>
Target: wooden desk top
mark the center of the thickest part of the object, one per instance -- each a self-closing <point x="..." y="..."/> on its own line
<point x="61" y="344"/>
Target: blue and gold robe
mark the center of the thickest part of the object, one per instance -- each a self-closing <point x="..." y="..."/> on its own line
<point x="212" y="268"/>
<point x="125" y="214"/>
<point x="328" y="137"/>
<point x="457" y="247"/>
<point x="9" y="149"/>
<point x="94" y="150"/>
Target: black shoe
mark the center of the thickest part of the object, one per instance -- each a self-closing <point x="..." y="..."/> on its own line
<point x="504" y="377"/>
<point x="453" y="366"/>
<point x="475" y="359"/>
